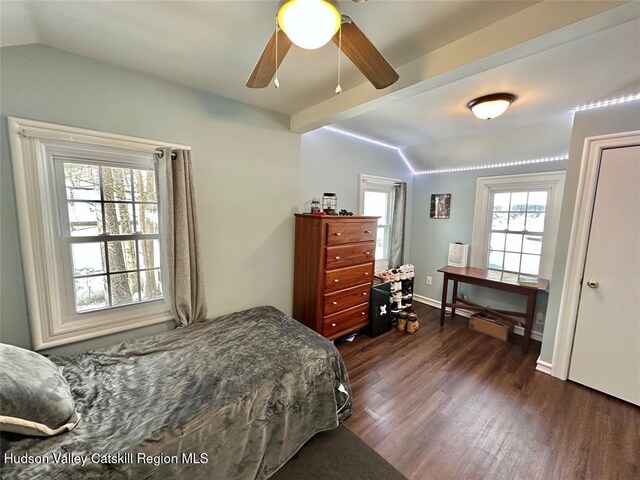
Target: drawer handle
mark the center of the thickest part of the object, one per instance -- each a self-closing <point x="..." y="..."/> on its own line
<point x="367" y="253"/>
<point x="333" y="324"/>
<point x="362" y="313"/>
<point x="364" y="293"/>
<point x="366" y="273"/>
<point x="335" y="303"/>
<point x="367" y="231"/>
<point x="338" y="234"/>
<point x="337" y="258"/>
<point x="336" y="280"/>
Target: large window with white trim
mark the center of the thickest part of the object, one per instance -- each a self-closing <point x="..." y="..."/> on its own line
<point x="88" y="206"/>
<point x="515" y="224"/>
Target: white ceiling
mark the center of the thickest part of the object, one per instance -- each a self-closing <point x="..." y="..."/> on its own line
<point x="213" y="46"/>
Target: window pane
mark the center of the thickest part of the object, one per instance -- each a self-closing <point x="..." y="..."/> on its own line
<point x="88" y="258"/>
<point x="151" y="284"/>
<point x="124" y="288"/>
<point x="535" y="222"/>
<point x="530" y="264"/>
<point x="82" y="182"/>
<point x="495" y="260"/>
<point x="122" y="256"/>
<point x="376" y="205"/>
<point x="90" y="293"/>
<point x="149" y="252"/>
<point x="516" y="222"/>
<point x="499" y="221"/>
<point x="532" y="244"/>
<point x="118" y="218"/>
<point x="380" y="243"/>
<point x="537" y="202"/>
<point x="518" y="201"/>
<point x="116" y="183"/>
<point x="512" y="262"/>
<point x="514" y="242"/>
<point x="85" y="218"/>
<point x="501" y="202"/>
<point x="497" y="241"/>
<point x="146" y="218"/>
<point x="144" y="182"/>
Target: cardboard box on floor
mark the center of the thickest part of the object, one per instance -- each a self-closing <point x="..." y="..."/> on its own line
<point x="490" y="326"/>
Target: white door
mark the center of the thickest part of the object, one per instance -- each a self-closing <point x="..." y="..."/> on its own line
<point x="606" y="347"/>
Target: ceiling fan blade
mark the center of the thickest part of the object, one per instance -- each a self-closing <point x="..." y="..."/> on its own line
<point x="265" y="69"/>
<point x="365" y="56"/>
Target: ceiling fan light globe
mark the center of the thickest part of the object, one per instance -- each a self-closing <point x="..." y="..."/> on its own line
<point x="309" y="24"/>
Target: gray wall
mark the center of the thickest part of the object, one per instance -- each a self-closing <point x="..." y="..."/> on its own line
<point x="246" y="165"/>
<point x="331" y="162"/>
<point x="589" y="123"/>
<point x="430" y="237"/>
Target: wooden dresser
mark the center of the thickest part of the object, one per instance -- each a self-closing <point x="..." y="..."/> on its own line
<point x="334" y="259"/>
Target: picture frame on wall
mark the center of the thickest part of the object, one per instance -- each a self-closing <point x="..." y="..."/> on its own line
<point x="440" y="205"/>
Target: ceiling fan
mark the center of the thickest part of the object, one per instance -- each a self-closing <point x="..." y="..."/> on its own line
<point x="311" y="24"/>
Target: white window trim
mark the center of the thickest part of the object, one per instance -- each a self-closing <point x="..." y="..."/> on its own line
<point x="373" y="182"/>
<point x="487" y="186"/>
<point x="32" y="145"/>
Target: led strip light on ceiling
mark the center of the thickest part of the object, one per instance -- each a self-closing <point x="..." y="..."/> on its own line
<point x="403" y="157"/>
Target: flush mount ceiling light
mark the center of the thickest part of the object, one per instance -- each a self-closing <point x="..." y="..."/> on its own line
<point x="491" y="106"/>
<point x="309" y="24"/>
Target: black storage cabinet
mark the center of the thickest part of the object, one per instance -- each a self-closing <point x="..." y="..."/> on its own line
<point x="379" y="310"/>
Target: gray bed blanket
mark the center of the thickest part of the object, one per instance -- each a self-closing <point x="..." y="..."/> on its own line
<point x="230" y="398"/>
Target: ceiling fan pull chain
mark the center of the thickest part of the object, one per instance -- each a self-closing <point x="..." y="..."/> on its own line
<point x="276" y="83"/>
<point x="339" y="88"/>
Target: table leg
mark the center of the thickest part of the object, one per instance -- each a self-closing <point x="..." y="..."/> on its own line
<point x="454" y="295"/>
<point x="531" y="307"/>
<point x="443" y="307"/>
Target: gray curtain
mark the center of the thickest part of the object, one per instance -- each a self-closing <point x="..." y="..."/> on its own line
<point x="396" y="240"/>
<point x="183" y="280"/>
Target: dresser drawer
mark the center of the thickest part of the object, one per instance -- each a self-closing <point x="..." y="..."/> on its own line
<point x="348" y="255"/>
<point x="348" y="319"/>
<point x="342" y="278"/>
<point x="350" y="232"/>
<point x="334" y="302"/>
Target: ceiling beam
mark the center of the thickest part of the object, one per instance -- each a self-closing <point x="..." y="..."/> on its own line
<point x="537" y="28"/>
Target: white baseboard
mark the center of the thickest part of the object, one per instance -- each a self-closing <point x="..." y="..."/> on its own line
<point x="544" y="367"/>
<point x="518" y="330"/>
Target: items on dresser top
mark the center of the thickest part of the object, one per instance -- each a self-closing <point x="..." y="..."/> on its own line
<point x="333" y="274"/>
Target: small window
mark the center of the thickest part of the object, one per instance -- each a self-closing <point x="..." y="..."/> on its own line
<point x="516" y="223"/>
<point x="516" y="231"/>
<point x="376" y="200"/>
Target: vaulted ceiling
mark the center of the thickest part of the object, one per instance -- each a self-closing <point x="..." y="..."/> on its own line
<point x="553" y="55"/>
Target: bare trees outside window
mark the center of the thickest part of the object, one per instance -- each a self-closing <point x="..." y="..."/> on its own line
<point x="112" y="226"/>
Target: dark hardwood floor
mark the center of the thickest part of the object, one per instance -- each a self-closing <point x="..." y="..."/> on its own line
<point x="451" y="403"/>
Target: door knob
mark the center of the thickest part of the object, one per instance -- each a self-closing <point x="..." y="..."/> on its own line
<point x="337" y="258"/>
<point x="335" y="280"/>
<point x="338" y="234"/>
<point x="333" y="324"/>
<point x="593" y="284"/>
<point x="335" y="303"/>
<point x="367" y="231"/>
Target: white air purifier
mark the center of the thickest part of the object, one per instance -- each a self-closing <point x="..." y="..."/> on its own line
<point x="459" y="254"/>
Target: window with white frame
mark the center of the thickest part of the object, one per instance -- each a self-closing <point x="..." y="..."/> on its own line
<point x="88" y="212"/>
<point x="376" y="199"/>
<point x="516" y="223"/>
<point x="109" y="228"/>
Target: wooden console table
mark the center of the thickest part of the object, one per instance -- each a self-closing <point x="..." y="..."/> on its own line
<point x="492" y="279"/>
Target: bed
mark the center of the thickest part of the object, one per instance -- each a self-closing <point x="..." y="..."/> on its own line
<point x="230" y="398"/>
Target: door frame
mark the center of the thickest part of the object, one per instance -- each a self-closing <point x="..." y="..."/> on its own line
<point x="578" y="242"/>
